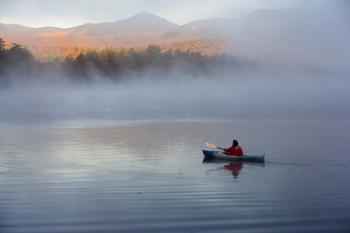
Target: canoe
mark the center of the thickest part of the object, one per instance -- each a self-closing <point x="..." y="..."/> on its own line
<point x="208" y="154"/>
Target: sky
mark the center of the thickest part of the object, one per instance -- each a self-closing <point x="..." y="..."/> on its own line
<point x="67" y="13"/>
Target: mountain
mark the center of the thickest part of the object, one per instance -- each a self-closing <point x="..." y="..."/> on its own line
<point x="137" y="30"/>
<point x="293" y="37"/>
<point x="48" y="42"/>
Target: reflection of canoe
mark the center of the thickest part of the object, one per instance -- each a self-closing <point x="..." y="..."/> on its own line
<point x="222" y="156"/>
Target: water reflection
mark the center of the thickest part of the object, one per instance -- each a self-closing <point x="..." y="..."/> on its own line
<point x="147" y="176"/>
<point x="234" y="168"/>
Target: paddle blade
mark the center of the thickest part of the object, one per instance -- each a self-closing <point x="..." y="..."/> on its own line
<point x="209" y="145"/>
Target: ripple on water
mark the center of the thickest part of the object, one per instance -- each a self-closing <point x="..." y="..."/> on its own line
<point x="150" y="177"/>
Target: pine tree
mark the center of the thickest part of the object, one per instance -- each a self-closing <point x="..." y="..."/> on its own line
<point x="2" y="46"/>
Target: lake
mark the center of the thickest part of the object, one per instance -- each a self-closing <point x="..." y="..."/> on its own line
<point x="149" y="176"/>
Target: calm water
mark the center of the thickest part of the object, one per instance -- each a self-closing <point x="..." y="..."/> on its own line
<point x="144" y="176"/>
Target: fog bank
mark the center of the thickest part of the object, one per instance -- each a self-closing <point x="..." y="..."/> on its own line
<point x="221" y="97"/>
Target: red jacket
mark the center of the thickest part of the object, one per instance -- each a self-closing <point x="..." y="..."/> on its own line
<point x="234" y="151"/>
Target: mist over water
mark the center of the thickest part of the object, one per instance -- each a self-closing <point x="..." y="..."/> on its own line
<point x="123" y="154"/>
<point x="225" y="96"/>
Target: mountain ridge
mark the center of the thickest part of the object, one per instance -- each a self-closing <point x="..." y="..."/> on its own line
<point x="291" y="36"/>
<point x="48" y="42"/>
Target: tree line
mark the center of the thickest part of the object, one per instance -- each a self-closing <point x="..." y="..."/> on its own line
<point x="112" y="63"/>
<point x="15" y="58"/>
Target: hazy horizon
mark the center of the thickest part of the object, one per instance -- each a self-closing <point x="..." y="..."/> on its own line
<point x="64" y="14"/>
<point x="104" y="127"/>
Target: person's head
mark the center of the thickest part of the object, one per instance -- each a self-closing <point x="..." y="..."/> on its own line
<point x="235" y="143"/>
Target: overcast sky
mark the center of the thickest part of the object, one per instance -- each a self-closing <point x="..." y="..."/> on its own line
<point x="66" y="13"/>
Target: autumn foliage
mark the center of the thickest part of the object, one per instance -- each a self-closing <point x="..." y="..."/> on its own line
<point x="111" y="63"/>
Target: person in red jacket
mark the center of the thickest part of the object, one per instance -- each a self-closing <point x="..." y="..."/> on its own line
<point x="235" y="149"/>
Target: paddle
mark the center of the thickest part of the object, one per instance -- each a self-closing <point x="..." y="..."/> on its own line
<point x="209" y="145"/>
